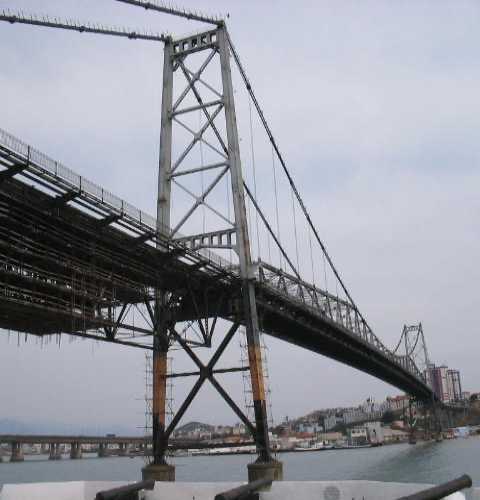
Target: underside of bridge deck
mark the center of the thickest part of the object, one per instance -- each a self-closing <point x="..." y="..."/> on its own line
<point x="63" y="270"/>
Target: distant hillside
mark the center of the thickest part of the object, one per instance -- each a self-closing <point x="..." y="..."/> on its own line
<point x="195" y="425"/>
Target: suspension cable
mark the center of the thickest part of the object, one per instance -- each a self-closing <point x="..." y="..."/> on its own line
<point x="269" y="228"/>
<point x="311" y="255"/>
<point x="254" y="175"/>
<point x="287" y="173"/>
<point x="399" y="342"/>
<point x="66" y="24"/>
<point x="227" y="182"/>
<point x="325" y="272"/>
<point x="269" y="248"/>
<point x="277" y="218"/>
<point x="165" y="8"/>
<point x="202" y="163"/>
<point x="295" y="228"/>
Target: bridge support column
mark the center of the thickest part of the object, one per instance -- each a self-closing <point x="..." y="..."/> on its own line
<point x="52" y="455"/>
<point x="161" y="318"/>
<point x="437" y="424"/>
<point x="102" y="450"/>
<point x="75" y="450"/>
<point x="271" y="470"/>
<point x="426" y="423"/>
<point x="265" y="465"/>
<point x="159" y="472"/>
<point x="55" y="453"/>
<point x="123" y="450"/>
<point x="411" y="423"/>
<point x="17" y="453"/>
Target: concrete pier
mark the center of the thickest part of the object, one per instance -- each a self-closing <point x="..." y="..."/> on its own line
<point x="123" y="450"/>
<point x="260" y="470"/>
<point x="17" y="453"/>
<point x="161" y="472"/>
<point x="75" y="450"/>
<point x="55" y="453"/>
<point x="102" y="450"/>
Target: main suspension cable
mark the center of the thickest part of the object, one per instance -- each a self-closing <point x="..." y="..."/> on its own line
<point x="270" y="230"/>
<point x="66" y="24"/>
<point x="287" y="173"/>
<point x="174" y="11"/>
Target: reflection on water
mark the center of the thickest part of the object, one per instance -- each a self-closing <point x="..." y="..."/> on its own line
<point x="423" y="463"/>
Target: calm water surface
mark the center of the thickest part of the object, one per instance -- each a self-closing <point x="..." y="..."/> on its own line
<point x="422" y="463"/>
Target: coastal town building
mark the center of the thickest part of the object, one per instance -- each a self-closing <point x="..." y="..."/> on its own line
<point x="454" y="385"/>
<point x="445" y="382"/>
<point x="357" y="436"/>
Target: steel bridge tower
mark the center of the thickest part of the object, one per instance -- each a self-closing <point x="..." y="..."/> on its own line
<point x="234" y="237"/>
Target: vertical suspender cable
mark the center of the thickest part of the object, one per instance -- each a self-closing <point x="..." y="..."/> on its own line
<point x="295" y="229"/>
<point x="227" y="181"/>
<point x="289" y="177"/>
<point x="276" y="208"/>
<point x="249" y="214"/>
<point x="325" y="272"/>
<point x="311" y="256"/>
<point x="269" y="248"/>
<point x="254" y="175"/>
<point x="201" y="173"/>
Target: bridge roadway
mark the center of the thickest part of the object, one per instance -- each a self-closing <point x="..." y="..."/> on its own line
<point x="124" y="448"/>
<point x="70" y="252"/>
<point x="58" y="439"/>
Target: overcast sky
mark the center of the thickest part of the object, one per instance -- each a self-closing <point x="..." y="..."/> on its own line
<point x="376" y="108"/>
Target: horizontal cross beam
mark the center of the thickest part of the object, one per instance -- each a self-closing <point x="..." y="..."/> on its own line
<point x="219" y="370"/>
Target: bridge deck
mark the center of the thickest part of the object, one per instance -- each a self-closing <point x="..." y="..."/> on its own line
<point x="70" y="252"/>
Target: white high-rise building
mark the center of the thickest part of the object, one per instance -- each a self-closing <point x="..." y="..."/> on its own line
<point x="454" y="385"/>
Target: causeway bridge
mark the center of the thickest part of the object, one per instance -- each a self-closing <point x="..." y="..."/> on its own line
<point x="54" y="445"/>
<point x="105" y="446"/>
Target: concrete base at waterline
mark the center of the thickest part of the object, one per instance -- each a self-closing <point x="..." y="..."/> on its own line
<point x="17" y="457"/>
<point x="270" y="470"/>
<point x="163" y="472"/>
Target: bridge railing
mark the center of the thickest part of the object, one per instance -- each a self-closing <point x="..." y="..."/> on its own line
<point x="321" y="302"/>
<point x="47" y="169"/>
<point x="330" y="306"/>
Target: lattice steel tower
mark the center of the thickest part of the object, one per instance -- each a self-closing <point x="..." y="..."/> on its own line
<point x="222" y="234"/>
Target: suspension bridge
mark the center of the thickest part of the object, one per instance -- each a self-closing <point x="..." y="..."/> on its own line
<point x="76" y="259"/>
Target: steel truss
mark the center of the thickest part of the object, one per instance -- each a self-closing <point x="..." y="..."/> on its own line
<point x="233" y="235"/>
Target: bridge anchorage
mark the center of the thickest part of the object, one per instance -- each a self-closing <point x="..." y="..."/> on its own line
<point x="76" y="259"/>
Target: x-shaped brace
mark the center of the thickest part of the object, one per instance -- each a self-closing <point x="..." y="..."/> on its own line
<point x="206" y="372"/>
